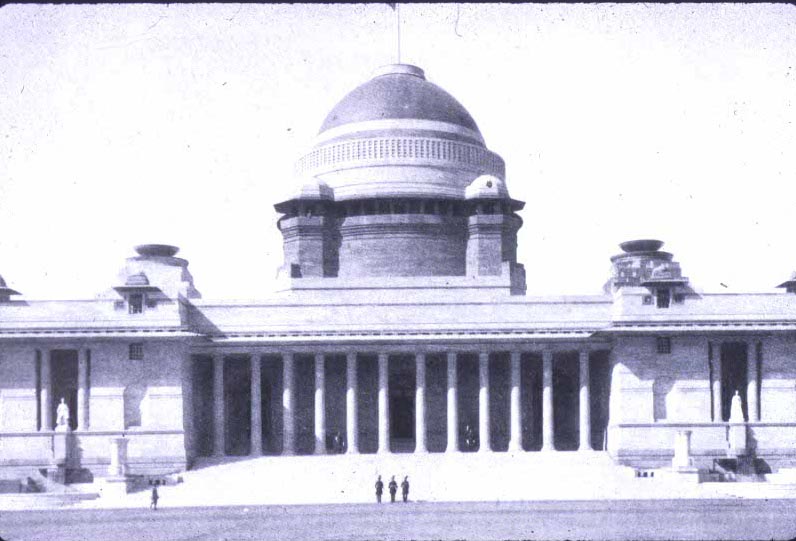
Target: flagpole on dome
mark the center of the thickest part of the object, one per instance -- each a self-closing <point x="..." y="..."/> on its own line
<point x="397" y="9"/>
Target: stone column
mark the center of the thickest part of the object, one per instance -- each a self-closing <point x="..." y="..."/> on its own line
<point x="82" y="390"/>
<point x="715" y="360"/>
<point x="752" y="360"/>
<point x="257" y="403"/>
<point x="384" y="404"/>
<point x="453" y="414"/>
<point x="484" y="438"/>
<point x="585" y="403"/>
<point x="320" y="405"/>
<point x="46" y="393"/>
<point x="288" y="428"/>
<point x="218" y="406"/>
<point x="420" y="403"/>
<point x="515" y="425"/>
<point x="547" y="402"/>
<point x="351" y="424"/>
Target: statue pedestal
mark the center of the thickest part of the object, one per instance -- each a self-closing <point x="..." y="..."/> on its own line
<point x="683" y="468"/>
<point x="682" y="461"/>
<point x="118" y="449"/>
<point x="736" y="437"/>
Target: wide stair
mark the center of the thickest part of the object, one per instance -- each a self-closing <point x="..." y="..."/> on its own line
<point x="432" y="477"/>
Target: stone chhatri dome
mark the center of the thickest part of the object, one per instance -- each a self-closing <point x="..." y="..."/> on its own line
<point x="399" y="136"/>
<point x="398" y="91"/>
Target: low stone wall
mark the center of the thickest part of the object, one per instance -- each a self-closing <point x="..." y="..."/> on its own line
<point x="149" y="451"/>
<point x="652" y="444"/>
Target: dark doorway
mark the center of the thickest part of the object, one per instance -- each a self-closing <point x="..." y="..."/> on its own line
<point x="599" y="394"/>
<point x="733" y="377"/>
<point x="304" y="403"/>
<point x="63" y="375"/>
<point x="237" y="406"/>
<point x="271" y="380"/>
<point x="566" y="373"/>
<point x="202" y="383"/>
<point x="467" y="397"/>
<point x="499" y="401"/>
<point x="531" y="401"/>
<point x="402" y="404"/>
<point x="367" y="403"/>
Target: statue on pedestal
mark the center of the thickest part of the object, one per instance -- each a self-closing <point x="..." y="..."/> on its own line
<point x="736" y="411"/>
<point x="62" y="416"/>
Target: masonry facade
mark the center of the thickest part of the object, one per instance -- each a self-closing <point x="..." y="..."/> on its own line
<point x="400" y="324"/>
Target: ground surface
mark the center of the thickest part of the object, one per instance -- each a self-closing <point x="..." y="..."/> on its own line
<point x="617" y="519"/>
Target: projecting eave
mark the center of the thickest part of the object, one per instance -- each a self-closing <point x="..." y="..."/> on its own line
<point x="690" y="327"/>
<point x="448" y="336"/>
<point x="45" y="333"/>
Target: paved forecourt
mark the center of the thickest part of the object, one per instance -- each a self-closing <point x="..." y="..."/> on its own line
<point x="617" y="519"/>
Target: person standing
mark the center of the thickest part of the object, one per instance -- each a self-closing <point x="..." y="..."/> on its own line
<point x="153" y="504"/>
<point x="393" y="489"/>
<point x="405" y="488"/>
<point x="379" y="489"/>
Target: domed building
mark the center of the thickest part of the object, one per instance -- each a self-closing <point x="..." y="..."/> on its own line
<point x="400" y="329"/>
<point x="400" y="183"/>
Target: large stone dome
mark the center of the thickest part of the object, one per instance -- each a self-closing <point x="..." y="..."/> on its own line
<point x="400" y="92"/>
<point x="397" y="136"/>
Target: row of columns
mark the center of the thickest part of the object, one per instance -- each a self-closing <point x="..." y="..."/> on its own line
<point x="352" y="429"/>
<point x="46" y="398"/>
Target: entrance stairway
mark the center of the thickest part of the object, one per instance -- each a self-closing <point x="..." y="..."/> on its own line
<point x="433" y="477"/>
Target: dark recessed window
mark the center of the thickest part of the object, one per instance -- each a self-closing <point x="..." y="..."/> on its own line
<point x="647" y="299"/>
<point x="664" y="296"/>
<point x="136" y="303"/>
<point x="137" y="352"/>
<point x="663" y="344"/>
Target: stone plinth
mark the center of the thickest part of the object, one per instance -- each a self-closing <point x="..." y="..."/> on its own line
<point x="118" y="450"/>
<point x="736" y="437"/>
<point x="682" y="461"/>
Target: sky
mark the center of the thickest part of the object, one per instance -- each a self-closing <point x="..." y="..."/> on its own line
<point x="180" y="124"/>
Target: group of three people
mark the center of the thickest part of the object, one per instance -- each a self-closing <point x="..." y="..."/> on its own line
<point x="393" y="488"/>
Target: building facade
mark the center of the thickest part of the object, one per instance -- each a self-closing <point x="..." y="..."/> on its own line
<point x="400" y="325"/>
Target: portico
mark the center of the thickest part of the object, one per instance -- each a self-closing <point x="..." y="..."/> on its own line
<point x="393" y="401"/>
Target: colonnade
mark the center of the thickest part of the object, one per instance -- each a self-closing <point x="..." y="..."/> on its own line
<point x="383" y="403"/>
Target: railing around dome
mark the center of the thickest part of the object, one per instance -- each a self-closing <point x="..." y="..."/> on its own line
<point x="398" y="149"/>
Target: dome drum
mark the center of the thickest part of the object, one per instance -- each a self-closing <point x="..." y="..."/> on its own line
<point x="402" y="245"/>
<point x="400" y="149"/>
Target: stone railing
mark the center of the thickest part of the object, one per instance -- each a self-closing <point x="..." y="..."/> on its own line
<point x="411" y="150"/>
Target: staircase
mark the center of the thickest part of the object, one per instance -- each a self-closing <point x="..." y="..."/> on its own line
<point x="432" y="477"/>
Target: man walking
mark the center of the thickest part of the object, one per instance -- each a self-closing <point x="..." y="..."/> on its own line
<point x="379" y="489"/>
<point x="153" y="504"/>
<point x="393" y="489"/>
<point x="405" y="488"/>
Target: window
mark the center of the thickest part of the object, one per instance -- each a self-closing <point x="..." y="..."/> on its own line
<point x="647" y="299"/>
<point x="137" y="352"/>
<point x="664" y="296"/>
<point x="664" y="344"/>
<point x="136" y="303"/>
